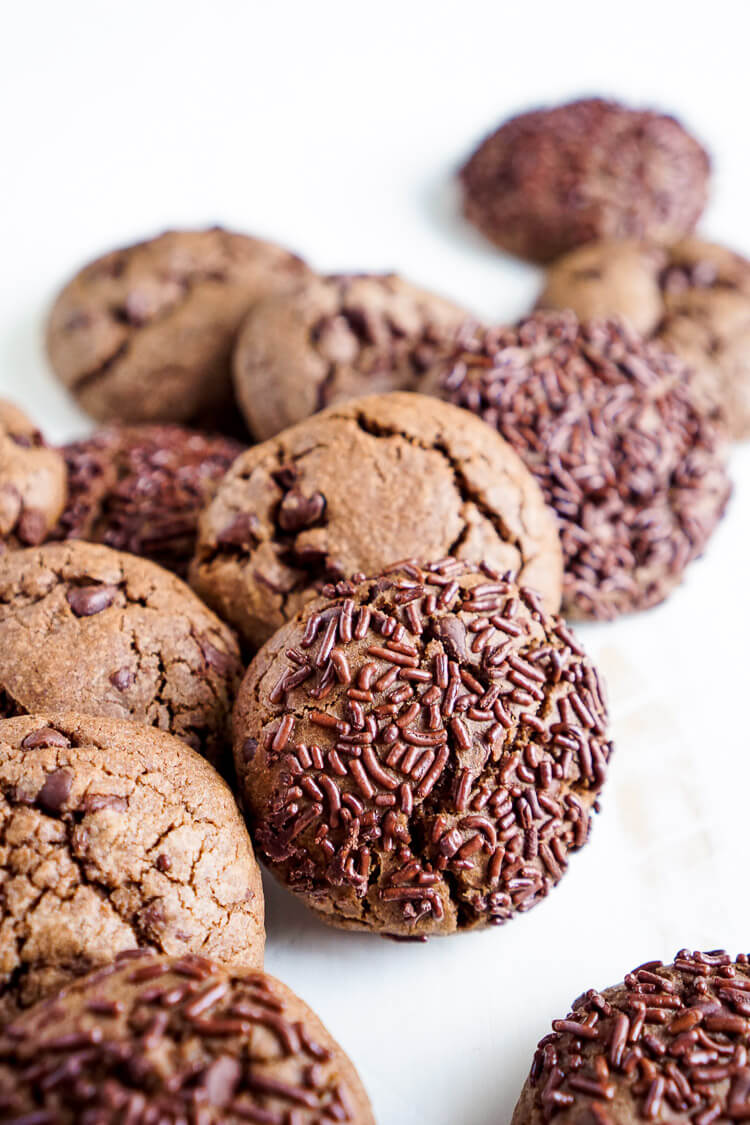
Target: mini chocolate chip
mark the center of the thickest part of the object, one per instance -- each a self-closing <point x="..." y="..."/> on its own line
<point x="55" y="791"/>
<point x="32" y="527"/>
<point x="163" y="862"/>
<point x="98" y="801"/>
<point x="85" y="601"/>
<point x="452" y="632"/>
<point x="298" y="511"/>
<point x="286" y="476"/>
<point x="121" y="679"/>
<point x="45" y="736"/>
<point x="241" y="532"/>
<point x="223" y="662"/>
<point x="249" y="748"/>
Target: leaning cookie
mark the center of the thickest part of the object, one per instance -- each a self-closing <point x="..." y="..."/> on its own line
<point x="420" y="752"/>
<point x="333" y="339"/>
<point x="668" y="1044"/>
<point x="361" y="486"/>
<point x="115" y="836"/>
<point x="84" y="628"/>
<point x="145" y="333"/>
<point x="32" y="481"/>
<point x="176" y="1039"/>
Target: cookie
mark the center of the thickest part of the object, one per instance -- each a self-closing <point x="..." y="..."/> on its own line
<point x="145" y="333"/>
<point x="176" y="1039"/>
<point x="115" y="836"/>
<point x="32" y="481"/>
<point x="607" y="424"/>
<point x="668" y="1044"/>
<point x="693" y="297"/>
<point x="141" y="489"/>
<point x="87" y="629"/>
<point x="361" y="486"/>
<point x="334" y="339"/>
<point x="419" y="753"/>
<point x="555" y="178"/>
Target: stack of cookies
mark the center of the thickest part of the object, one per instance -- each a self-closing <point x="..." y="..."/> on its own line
<point x="315" y="565"/>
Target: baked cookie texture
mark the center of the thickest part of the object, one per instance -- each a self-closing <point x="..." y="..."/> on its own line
<point x="145" y="333"/>
<point x="547" y="181"/>
<point x="101" y="632"/>
<point x="32" y="481"/>
<point x="141" y="489"/>
<point x="668" y="1044"/>
<point x="634" y="469"/>
<point x="420" y="753"/>
<point x="115" y="836"/>
<point x="334" y="339"/>
<point x="361" y="486"/>
<point x="176" y="1039"/>
<point x="693" y="297"/>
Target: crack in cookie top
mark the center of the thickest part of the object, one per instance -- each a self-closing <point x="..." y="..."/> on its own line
<point x="419" y="752"/>
<point x="669" y="1044"/>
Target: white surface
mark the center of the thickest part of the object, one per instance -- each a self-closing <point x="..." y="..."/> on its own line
<point x="333" y="127"/>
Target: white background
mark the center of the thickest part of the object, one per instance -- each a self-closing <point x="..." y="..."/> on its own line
<point x="335" y="127"/>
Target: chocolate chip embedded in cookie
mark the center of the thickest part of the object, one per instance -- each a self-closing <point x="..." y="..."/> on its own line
<point x="84" y="628"/>
<point x="334" y="339"/>
<point x="145" y="333"/>
<point x="668" y="1044"/>
<point x="552" y="179"/>
<point x="176" y="1039"/>
<point x="607" y="424"/>
<point x="141" y="489"/>
<point x="32" y="481"/>
<point x="115" y="836"/>
<point x="360" y="486"/>
<point x="419" y="752"/>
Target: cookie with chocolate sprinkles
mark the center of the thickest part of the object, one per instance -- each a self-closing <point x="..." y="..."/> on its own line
<point x="88" y="629"/>
<point x="115" y="836"/>
<point x="32" y="481"/>
<point x="670" y="1044"/>
<point x="608" y="425"/>
<point x="358" y="487"/>
<point x="175" y="1040"/>
<point x="420" y="752"/>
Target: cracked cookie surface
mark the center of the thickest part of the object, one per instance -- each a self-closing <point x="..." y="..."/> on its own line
<point x="145" y="333"/>
<point x="334" y="339"/>
<point x="101" y="632"/>
<point x="172" y="1039"/>
<point x="115" y="836"/>
<point x="419" y="753"/>
<point x="361" y="486"/>
<point x="32" y="481"/>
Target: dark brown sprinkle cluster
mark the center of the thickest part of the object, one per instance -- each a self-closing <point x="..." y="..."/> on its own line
<point x="160" y="1041"/>
<point x="673" y="1039"/>
<point x="437" y="737"/>
<point x="607" y="425"/>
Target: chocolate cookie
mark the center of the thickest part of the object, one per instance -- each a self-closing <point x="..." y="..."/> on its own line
<point x="334" y="339"/>
<point x="32" y="481"/>
<point x="419" y="753"/>
<point x="693" y="297"/>
<point x="669" y="1044"/>
<point x="84" y="628"/>
<point x="167" y="1039"/>
<point x="608" y="426"/>
<point x="553" y="179"/>
<point x="115" y="835"/>
<point x="361" y="486"/>
<point x="141" y="489"/>
<point x="145" y="334"/>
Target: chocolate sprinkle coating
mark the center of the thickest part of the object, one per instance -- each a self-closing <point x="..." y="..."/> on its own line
<point x="607" y="424"/>
<point x="668" y="1044"/>
<point x="419" y="753"/>
<point x="170" y="1041"/>
<point x="32" y="481"/>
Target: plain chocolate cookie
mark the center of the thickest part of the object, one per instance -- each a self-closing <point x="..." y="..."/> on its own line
<point x="552" y="179"/>
<point x="634" y="469"/>
<point x="84" y="628"/>
<point x="669" y="1044"/>
<point x="176" y="1040"/>
<point x="112" y="836"/>
<point x="141" y="489"/>
<point x="334" y="339"/>
<point x="361" y="486"/>
<point x="419" y="753"/>
<point x="32" y="481"/>
<point x="692" y="297"/>
<point x="145" y="333"/>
